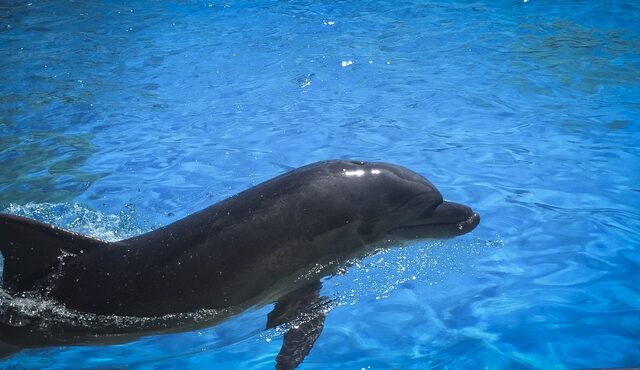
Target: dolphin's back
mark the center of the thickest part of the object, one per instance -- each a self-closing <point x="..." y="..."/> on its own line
<point x="33" y="250"/>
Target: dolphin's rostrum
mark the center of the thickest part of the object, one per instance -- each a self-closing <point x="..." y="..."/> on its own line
<point x="260" y="246"/>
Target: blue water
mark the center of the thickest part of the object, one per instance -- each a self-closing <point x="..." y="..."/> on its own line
<point x="117" y="118"/>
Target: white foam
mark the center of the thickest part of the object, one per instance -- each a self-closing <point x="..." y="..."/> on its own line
<point x="80" y="219"/>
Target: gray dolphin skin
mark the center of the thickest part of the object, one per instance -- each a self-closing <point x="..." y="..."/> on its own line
<point x="261" y="246"/>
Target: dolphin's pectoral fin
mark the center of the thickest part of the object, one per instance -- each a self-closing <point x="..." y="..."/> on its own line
<point x="304" y="312"/>
<point x="298" y="342"/>
<point x="291" y="306"/>
<point x="32" y="250"/>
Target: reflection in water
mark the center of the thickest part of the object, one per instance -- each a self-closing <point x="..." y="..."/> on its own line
<point x="45" y="165"/>
<point x="555" y="50"/>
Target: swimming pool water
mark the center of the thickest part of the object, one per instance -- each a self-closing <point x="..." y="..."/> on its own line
<point x="119" y="117"/>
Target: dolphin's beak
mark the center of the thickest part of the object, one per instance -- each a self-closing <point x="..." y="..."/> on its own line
<point x="447" y="220"/>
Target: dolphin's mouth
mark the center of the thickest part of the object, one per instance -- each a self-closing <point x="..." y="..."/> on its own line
<point x="447" y="220"/>
<point x="471" y="222"/>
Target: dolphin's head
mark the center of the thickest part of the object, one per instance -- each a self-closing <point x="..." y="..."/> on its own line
<point x="394" y="203"/>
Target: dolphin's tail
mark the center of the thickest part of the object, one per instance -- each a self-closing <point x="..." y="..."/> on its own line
<point x="32" y="250"/>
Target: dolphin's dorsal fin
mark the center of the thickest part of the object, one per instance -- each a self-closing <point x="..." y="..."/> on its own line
<point x="31" y="250"/>
<point x="307" y="309"/>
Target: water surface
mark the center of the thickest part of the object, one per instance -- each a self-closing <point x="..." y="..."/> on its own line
<point x="116" y="118"/>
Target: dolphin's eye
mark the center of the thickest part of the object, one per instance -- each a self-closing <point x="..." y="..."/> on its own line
<point x="359" y="163"/>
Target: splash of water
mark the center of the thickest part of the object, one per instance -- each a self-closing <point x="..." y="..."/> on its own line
<point x="80" y="219"/>
<point x="383" y="271"/>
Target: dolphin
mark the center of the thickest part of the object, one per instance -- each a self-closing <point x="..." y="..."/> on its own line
<point x="271" y="243"/>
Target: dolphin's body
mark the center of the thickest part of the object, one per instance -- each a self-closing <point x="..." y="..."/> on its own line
<point x="262" y="245"/>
